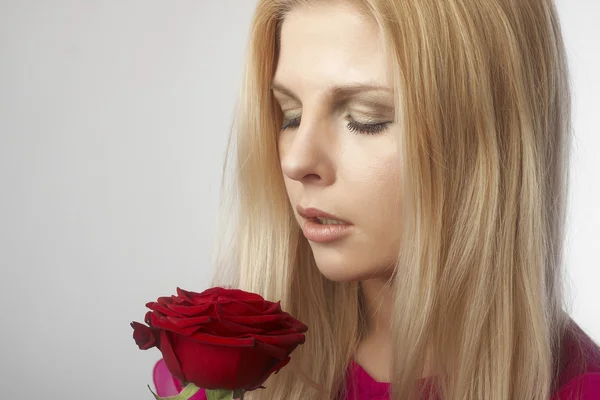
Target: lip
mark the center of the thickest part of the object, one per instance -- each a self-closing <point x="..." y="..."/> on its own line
<point x="311" y="213"/>
<point x="317" y="232"/>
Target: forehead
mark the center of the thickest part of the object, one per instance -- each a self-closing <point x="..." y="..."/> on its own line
<point x="326" y="44"/>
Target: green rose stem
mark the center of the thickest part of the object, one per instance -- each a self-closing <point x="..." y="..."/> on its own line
<point x="192" y="389"/>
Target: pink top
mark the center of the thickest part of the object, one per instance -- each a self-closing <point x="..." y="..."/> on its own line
<point x="363" y="387"/>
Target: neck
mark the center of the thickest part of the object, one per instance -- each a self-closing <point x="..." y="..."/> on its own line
<point x="375" y="352"/>
<point x="377" y="296"/>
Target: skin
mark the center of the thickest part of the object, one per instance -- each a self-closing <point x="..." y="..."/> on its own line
<point x="328" y="166"/>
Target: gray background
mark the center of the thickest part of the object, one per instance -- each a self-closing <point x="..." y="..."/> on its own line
<point x="113" y="122"/>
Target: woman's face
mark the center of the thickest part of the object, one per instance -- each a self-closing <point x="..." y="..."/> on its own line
<point x="337" y="145"/>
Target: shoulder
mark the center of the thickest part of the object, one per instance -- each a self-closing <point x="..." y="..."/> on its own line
<point x="579" y="376"/>
<point x="167" y="385"/>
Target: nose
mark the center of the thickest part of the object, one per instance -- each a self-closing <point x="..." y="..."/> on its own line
<point x="307" y="153"/>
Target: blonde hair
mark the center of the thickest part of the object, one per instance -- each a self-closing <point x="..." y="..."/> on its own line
<point x="483" y="102"/>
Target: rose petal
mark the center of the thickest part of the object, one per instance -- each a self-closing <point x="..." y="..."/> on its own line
<point x="222" y="367"/>
<point x="188" y="296"/>
<point x="191" y="310"/>
<point x="163" y="322"/>
<point x="295" y="324"/>
<point x="292" y="339"/>
<point x="174" y="301"/>
<point x="287" y="327"/>
<point x="272" y="350"/>
<point x="169" y="356"/>
<point x="148" y="318"/>
<point x="220" y="294"/>
<point x="211" y="292"/>
<point x="229" y="307"/>
<point x="273" y="308"/>
<point x="266" y="376"/>
<point x="166" y="300"/>
<point x="223" y="327"/>
<point x="144" y="337"/>
<point x="266" y="325"/>
<point x="162" y="308"/>
<point x="188" y="322"/>
<point x="256" y="319"/>
<point x="236" y="294"/>
<point x="223" y="341"/>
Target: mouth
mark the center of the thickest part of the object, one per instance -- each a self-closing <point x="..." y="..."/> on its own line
<point x="326" y="221"/>
<point x="320" y="217"/>
<point x="318" y="229"/>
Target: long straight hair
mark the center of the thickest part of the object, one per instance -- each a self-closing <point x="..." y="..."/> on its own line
<point x="483" y="102"/>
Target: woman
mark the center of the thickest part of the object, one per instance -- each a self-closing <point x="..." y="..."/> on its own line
<point x="401" y="178"/>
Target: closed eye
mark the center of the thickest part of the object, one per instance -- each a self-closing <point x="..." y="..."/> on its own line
<point x="290" y="123"/>
<point x="352" y="126"/>
<point x="370" y="129"/>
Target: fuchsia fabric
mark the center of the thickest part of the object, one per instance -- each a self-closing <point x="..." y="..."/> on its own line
<point x="167" y="385"/>
<point x="362" y="386"/>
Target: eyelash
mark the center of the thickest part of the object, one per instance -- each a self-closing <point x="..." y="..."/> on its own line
<point x="353" y="126"/>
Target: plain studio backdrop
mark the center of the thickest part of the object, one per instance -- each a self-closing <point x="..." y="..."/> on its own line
<point x="114" y="117"/>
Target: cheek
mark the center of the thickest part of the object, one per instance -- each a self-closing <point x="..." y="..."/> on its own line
<point x="383" y="207"/>
<point x="373" y="194"/>
<point x="381" y="200"/>
<point x="375" y="184"/>
<point x="387" y="193"/>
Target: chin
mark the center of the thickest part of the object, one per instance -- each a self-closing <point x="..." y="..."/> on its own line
<point x="338" y="275"/>
<point x="334" y="265"/>
<point x="342" y="271"/>
<point x="343" y="264"/>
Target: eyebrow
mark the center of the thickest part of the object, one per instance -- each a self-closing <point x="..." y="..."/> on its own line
<point x="346" y="90"/>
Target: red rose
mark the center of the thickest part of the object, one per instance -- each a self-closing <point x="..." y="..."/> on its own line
<point x="220" y="338"/>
